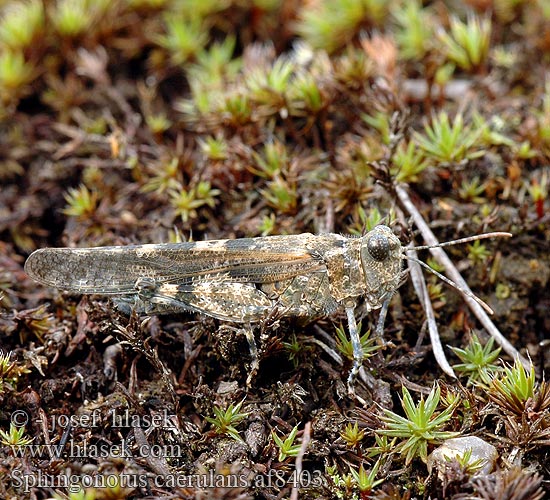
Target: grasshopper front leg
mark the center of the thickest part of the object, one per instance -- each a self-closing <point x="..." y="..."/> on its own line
<point x="379" y="331"/>
<point x="357" y="348"/>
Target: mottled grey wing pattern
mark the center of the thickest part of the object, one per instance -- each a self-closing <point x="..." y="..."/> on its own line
<point x="221" y="278"/>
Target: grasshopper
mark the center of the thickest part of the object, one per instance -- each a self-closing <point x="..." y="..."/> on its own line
<point x="241" y="280"/>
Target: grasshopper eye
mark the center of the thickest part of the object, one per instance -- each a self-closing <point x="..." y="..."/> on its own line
<point x="378" y="247"/>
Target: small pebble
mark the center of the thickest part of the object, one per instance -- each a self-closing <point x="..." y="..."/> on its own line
<point x="481" y="450"/>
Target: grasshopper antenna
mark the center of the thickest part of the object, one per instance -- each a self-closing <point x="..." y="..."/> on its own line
<point x="450" y="282"/>
<point x="452" y="271"/>
<point x="483" y="236"/>
<point x="447" y="280"/>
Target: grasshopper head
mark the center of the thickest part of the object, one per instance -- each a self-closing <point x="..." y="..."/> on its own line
<point x="381" y="260"/>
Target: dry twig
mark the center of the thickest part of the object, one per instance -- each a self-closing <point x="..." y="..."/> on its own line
<point x="455" y="275"/>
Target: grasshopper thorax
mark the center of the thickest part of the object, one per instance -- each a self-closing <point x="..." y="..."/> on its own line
<point x="381" y="260"/>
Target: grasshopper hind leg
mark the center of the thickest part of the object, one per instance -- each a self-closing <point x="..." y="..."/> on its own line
<point x="248" y="331"/>
<point x="255" y="360"/>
